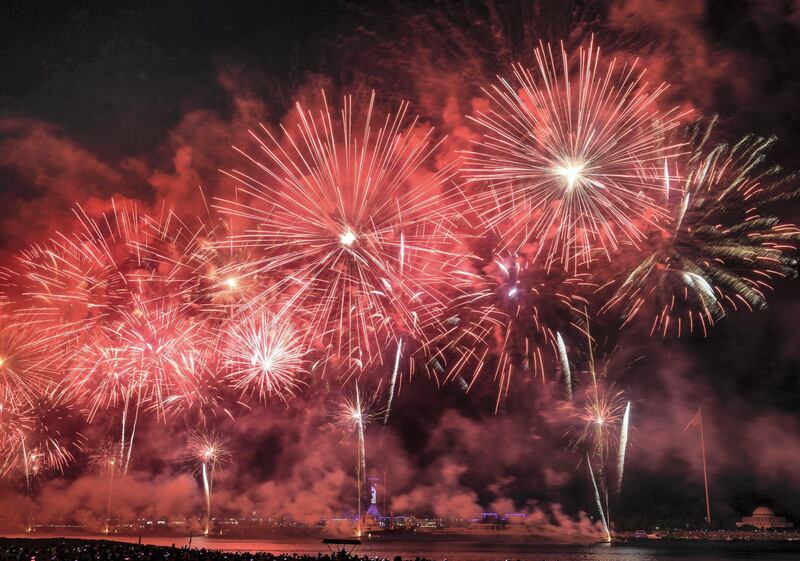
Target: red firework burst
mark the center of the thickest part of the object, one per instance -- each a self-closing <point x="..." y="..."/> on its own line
<point x="574" y="158"/>
<point x="348" y="229"/>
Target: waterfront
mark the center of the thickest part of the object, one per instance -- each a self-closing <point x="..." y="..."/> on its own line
<point x="491" y="550"/>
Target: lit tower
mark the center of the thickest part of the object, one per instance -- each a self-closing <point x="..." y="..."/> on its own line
<point x="373" y="520"/>
<point x="373" y="498"/>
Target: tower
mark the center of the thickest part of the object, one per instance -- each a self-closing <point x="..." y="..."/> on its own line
<point x="372" y="510"/>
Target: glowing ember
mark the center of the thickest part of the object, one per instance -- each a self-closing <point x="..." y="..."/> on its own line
<point x="347" y="238"/>
<point x="571" y="173"/>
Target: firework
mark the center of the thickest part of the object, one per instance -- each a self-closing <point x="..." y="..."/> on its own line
<point x="599" y="418"/>
<point x="208" y="453"/>
<point x="222" y="275"/>
<point x="74" y="284"/>
<point x="153" y="346"/>
<point x="501" y="319"/>
<point x="353" y="415"/>
<point x="344" y="245"/>
<point x="574" y="158"/>
<point x="51" y="414"/>
<point x="104" y="459"/>
<point x="71" y="282"/>
<point x="35" y="440"/>
<point x="32" y="410"/>
<point x="27" y="361"/>
<point x="15" y="423"/>
<point x="205" y="394"/>
<point x="116" y="293"/>
<point x="725" y="245"/>
<point x="347" y="226"/>
<point x="138" y="361"/>
<point x="146" y="353"/>
<point x="264" y="357"/>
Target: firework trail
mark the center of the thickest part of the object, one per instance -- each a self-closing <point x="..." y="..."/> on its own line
<point x="564" y="361"/>
<point x="577" y="164"/>
<point x="32" y="468"/>
<point x="724" y="246"/>
<point x="393" y="381"/>
<point x="362" y="450"/>
<point x="357" y="415"/>
<point x="597" y="499"/>
<point x="208" y="452"/>
<point x="623" y="445"/>
<point x="349" y="226"/>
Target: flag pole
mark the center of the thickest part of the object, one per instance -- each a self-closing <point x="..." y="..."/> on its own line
<point x="705" y="470"/>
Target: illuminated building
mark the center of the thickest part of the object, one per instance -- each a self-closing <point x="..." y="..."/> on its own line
<point x="764" y="519"/>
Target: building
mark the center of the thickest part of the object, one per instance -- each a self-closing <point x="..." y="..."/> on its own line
<point x="764" y="519"/>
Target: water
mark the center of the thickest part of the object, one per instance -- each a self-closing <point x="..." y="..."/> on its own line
<point x="488" y="550"/>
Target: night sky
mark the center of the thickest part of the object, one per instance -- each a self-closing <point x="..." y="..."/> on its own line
<point x="143" y="101"/>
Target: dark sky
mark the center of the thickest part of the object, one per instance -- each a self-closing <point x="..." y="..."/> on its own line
<point x="143" y="100"/>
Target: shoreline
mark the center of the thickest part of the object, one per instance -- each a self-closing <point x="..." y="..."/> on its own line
<point x="208" y="542"/>
<point x="61" y="548"/>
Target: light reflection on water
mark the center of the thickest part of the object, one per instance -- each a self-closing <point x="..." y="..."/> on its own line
<point x="475" y="550"/>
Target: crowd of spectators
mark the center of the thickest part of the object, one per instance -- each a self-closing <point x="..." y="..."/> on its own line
<point x="91" y="550"/>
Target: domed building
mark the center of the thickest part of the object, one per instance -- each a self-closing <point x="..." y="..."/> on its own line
<point x="764" y="519"/>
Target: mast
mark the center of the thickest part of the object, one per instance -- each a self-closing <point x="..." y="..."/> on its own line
<point x="705" y="470"/>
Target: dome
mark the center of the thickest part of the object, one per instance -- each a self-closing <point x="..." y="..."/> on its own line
<point x="763" y="511"/>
